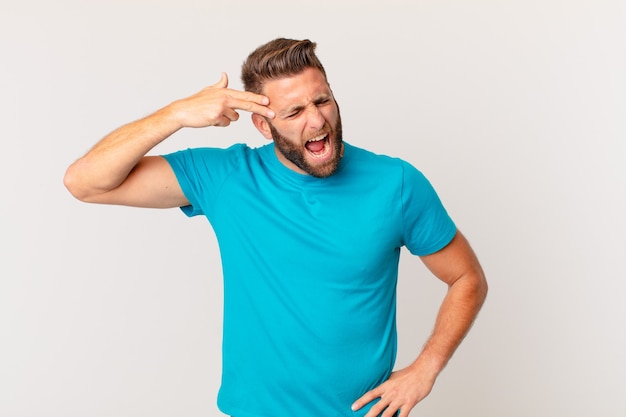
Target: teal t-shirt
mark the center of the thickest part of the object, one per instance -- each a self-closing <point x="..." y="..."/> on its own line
<point x="310" y="268"/>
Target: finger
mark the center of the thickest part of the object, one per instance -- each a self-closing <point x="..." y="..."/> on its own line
<point x="223" y="121"/>
<point x="223" y="82"/>
<point x="241" y="97"/>
<point x="252" y="103"/>
<point x="377" y="409"/>
<point x="231" y="114"/>
<point x="390" y="411"/>
<point x="365" y="399"/>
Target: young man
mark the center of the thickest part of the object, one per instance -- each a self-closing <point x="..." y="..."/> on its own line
<point x="310" y="230"/>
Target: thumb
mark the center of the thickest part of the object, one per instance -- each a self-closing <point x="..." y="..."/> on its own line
<point x="223" y="82"/>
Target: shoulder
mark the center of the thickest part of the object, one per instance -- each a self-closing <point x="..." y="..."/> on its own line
<point x="210" y="165"/>
<point x="377" y="163"/>
<point x="232" y="152"/>
<point x="213" y="157"/>
<point x="388" y="171"/>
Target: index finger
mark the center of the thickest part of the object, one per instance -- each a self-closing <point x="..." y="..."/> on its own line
<point x="367" y="398"/>
<point x="254" y="103"/>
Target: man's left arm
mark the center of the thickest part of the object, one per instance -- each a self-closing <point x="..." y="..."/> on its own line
<point x="457" y="266"/>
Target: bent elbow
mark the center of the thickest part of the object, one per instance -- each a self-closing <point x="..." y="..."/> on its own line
<point x="71" y="181"/>
<point x="70" y="184"/>
<point x="482" y="288"/>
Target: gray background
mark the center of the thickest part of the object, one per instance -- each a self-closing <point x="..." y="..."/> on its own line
<point x="514" y="110"/>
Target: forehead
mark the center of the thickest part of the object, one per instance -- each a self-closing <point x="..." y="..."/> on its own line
<point x="299" y="89"/>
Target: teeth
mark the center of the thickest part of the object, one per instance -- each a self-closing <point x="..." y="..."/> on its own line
<point x="317" y="139"/>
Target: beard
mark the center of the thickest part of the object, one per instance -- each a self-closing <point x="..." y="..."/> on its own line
<point x="295" y="153"/>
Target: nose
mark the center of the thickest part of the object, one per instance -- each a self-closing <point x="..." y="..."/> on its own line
<point x="315" y="118"/>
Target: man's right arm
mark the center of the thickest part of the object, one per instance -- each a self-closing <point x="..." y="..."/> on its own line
<point x="116" y="170"/>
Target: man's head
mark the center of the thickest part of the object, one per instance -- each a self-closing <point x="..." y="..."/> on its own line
<point x="307" y="128"/>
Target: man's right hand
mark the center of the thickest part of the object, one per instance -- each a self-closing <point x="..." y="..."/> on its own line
<point x="217" y="105"/>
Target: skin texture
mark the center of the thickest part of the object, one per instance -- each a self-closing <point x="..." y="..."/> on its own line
<point x="305" y="109"/>
<point x="298" y="108"/>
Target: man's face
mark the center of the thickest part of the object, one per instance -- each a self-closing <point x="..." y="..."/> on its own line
<point x="307" y="128"/>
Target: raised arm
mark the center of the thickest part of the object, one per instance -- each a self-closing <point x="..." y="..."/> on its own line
<point x="458" y="267"/>
<point x="116" y="170"/>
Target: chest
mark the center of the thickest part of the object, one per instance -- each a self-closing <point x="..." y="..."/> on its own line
<point x="341" y="230"/>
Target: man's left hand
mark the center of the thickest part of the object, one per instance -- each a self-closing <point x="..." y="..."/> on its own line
<point x="400" y="393"/>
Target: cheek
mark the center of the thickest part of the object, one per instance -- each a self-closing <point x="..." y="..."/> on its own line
<point x="291" y="130"/>
<point x="331" y="116"/>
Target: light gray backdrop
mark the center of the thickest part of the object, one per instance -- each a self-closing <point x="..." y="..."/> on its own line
<point x="514" y="109"/>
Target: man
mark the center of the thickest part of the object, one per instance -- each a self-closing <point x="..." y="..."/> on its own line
<point x="310" y="230"/>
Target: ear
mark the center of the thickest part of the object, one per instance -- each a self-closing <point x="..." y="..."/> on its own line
<point x="262" y="125"/>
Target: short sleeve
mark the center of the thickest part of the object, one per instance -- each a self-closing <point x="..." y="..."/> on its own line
<point x="201" y="172"/>
<point x="427" y="227"/>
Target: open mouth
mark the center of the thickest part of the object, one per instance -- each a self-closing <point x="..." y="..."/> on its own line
<point x="319" y="147"/>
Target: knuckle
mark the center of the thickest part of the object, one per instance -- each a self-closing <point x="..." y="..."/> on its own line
<point x="248" y="106"/>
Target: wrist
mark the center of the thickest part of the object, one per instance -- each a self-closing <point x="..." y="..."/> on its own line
<point x="170" y="117"/>
<point x="428" y="365"/>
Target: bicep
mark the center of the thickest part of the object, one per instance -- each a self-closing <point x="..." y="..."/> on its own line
<point x="455" y="260"/>
<point x="151" y="183"/>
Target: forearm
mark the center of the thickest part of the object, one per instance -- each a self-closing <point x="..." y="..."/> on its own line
<point x="458" y="267"/>
<point x="456" y="315"/>
<point x="110" y="161"/>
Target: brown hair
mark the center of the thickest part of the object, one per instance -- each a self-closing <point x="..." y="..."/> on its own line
<point x="277" y="59"/>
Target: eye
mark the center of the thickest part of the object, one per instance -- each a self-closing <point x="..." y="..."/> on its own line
<point x="322" y="101"/>
<point x="292" y="114"/>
